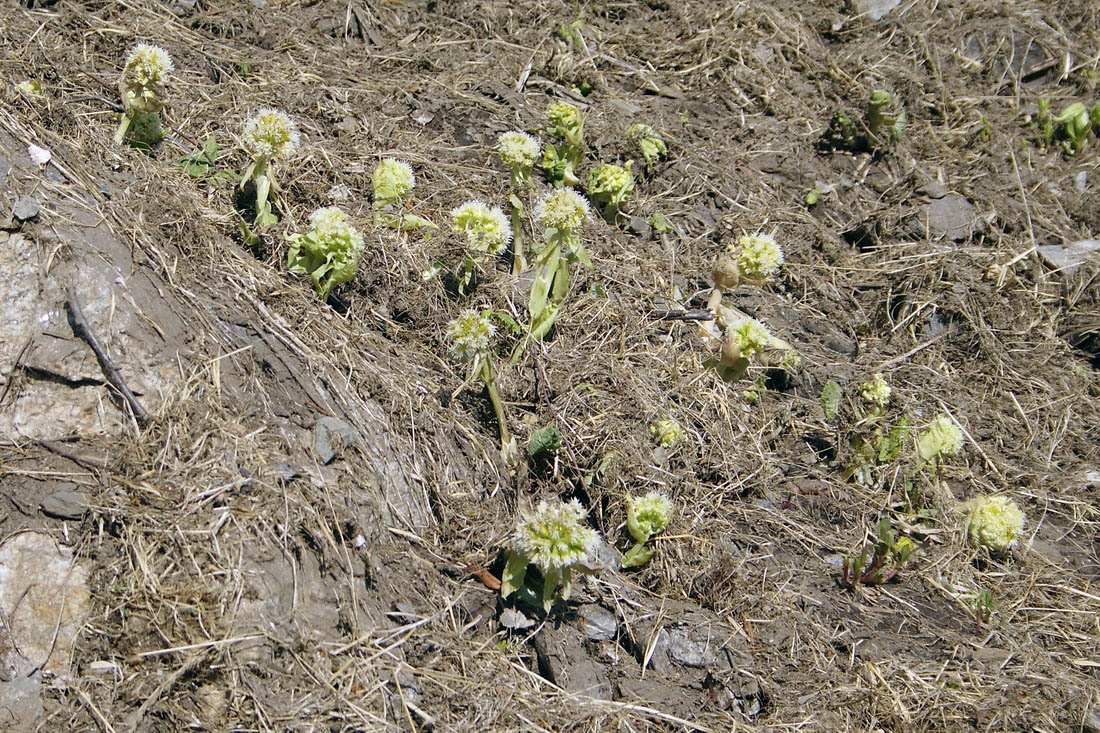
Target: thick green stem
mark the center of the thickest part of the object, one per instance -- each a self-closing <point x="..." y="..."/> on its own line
<point x="498" y="406"/>
<point x="123" y="128"/>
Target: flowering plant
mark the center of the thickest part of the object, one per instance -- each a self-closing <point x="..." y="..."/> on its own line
<point x="667" y="432"/>
<point x="753" y="260"/>
<point x="142" y="85"/>
<point x="554" y="539"/>
<point x="611" y="185"/>
<point x="329" y="252"/>
<point x="471" y="335"/>
<point x="520" y="152"/>
<point x="645" y="517"/>
<point x="560" y="161"/>
<point x="562" y="213"/>
<point x="268" y="136"/>
<point x="648" y="141"/>
<point x="487" y="234"/>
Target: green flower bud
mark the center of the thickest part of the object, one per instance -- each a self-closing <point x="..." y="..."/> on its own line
<point x="392" y="181"/>
<point x="941" y="438"/>
<point x="647" y="516"/>
<point x="876" y="391"/>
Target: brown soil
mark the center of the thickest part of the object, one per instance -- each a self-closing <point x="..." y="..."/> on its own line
<point x="239" y="584"/>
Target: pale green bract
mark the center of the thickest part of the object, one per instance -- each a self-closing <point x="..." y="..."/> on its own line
<point x="759" y="257"/>
<point x="994" y="522"/>
<point x="553" y="537"/>
<point x="565" y="121"/>
<point x="329" y="252"/>
<point x="487" y="229"/>
<point x="392" y="181"/>
<point x="941" y="438"/>
<point x="470" y="334"/>
<point x="648" y="515"/>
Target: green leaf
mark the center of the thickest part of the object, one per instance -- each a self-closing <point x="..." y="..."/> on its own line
<point x="637" y="556"/>
<point x="830" y="399"/>
<point x="891" y="444"/>
<point x="515" y="570"/>
<point x="550" y="581"/>
<point x="544" y="441"/>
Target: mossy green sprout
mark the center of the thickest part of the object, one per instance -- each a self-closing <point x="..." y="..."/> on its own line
<point x="487" y="231"/>
<point x="555" y="540"/>
<point x="646" y="517"/>
<point x="329" y="252"/>
<point x="753" y="260"/>
<point x="142" y="86"/>
<point x="471" y="335"/>
<point x="649" y="142"/>
<point x="565" y="124"/>
<point x="268" y="136"/>
<point x="994" y="522"/>
<point x="520" y="152"/>
<point x="611" y="186"/>
<point x="1076" y="123"/>
<point x="667" y="432"/>
<point x="562" y="213"/>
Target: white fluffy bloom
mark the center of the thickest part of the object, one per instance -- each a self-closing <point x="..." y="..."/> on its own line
<point x="470" y="334"/>
<point x="553" y="536"/>
<point x="270" y="134"/>
<point x="487" y="229"/>
<point x="518" y="150"/>
<point x="563" y="209"/>
<point x="760" y="256"/>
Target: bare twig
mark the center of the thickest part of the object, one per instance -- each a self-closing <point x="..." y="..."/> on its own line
<point x="84" y="331"/>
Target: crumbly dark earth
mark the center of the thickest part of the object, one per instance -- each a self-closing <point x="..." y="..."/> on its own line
<point x="240" y="583"/>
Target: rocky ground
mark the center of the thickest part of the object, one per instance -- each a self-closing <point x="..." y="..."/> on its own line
<point x="305" y="531"/>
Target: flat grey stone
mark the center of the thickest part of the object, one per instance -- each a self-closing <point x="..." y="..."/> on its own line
<point x="933" y="190"/>
<point x="21" y="704"/>
<point x="26" y="208"/>
<point x="65" y="504"/>
<point x="873" y="9"/>
<point x="330" y="437"/>
<point x="597" y="622"/>
<point x="952" y="217"/>
<point x="1071" y="256"/>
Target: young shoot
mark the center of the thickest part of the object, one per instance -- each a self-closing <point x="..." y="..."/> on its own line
<point x="994" y="522"/>
<point x="520" y="152"/>
<point x="645" y="517"/>
<point x="610" y="186"/>
<point x="329" y="252"/>
<point x="471" y="335"/>
<point x="392" y="182"/>
<point x="878" y="444"/>
<point x="1076" y="124"/>
<point x="487" y="234"/>
<point x="941" y="438"/>
<point x="555" y="540"/>
<point x="884" y="126"/>
<point x="879" y="566"/>
<point x="268" y="136"/>
<point x="667" y="432"/>
<point x="562" y="213"/>
<point x="142" y="87"/>
<point x="566" y="124"/>
<point x="753" y="260"/>
<point x="744" y="339"/>
<point x="649" y="142"/>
